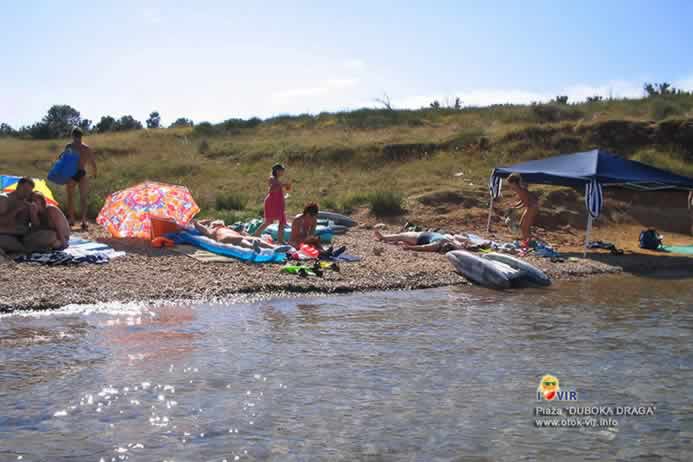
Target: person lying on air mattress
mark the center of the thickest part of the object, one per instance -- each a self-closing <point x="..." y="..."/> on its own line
<point x="218" y="231"/>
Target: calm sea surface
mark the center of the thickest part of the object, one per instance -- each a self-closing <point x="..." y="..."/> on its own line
<point x="445" y="374"/>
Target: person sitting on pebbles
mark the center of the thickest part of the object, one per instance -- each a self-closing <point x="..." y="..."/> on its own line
<point x="52" y="229"/>
<point x="218" y="231"/>
<point x="424" y="241"/>
<point x="303" y="231"/>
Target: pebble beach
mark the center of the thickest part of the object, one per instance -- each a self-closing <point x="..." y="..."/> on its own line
<point x="147" y="274"/>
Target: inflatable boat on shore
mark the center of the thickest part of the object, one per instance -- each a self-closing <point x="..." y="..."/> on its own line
<point x="496" y="270"/>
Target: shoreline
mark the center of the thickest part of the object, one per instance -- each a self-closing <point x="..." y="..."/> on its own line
<point x="146" y="274"/>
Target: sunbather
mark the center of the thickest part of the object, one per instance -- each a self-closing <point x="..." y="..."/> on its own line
<point x="218" y="231"/>
<point x="425" y="241"/>
<point x="53" y="229"/>
<point x="17" y="213"/>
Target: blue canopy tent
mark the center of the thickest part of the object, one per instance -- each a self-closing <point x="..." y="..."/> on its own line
<point x="589" y="170"/>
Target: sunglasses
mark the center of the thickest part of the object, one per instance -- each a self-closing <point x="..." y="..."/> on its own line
<point x="549" y="384"/>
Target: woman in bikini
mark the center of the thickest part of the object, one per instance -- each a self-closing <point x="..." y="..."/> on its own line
<point x="528" y="201"/>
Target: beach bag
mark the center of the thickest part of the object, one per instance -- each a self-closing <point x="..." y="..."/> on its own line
<point x="64" y="168"/>
<point x="650" y="239"/>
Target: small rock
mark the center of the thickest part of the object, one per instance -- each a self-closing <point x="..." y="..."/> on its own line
<point x="380" y="226"/>
<point x="378" y="251"/>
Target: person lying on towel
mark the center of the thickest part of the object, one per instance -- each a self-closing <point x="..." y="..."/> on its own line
<point x="218" y="231"/>
<point x="424" y="241"/>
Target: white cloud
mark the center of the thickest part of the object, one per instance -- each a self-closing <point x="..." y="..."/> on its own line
<point x="354" y="65"/>
<point x="575" y="93"/>
<point x="322" y="89"/>
<point x="684" y="84"/>
<point x="152" y="15"/>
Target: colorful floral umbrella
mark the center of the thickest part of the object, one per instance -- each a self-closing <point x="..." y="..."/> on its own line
<point x="128" y="213"/>
<point x="8" y="183"/>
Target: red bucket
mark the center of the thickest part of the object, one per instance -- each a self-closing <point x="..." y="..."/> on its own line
<point x="163" y="226"/>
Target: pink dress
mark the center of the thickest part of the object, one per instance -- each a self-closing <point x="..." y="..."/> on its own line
<point x="274" y="202"/>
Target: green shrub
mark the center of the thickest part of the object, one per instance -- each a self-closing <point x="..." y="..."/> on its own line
<point x="204" y="129"/>
<point x="230" y="201"/>
<point x="386" y="203"/>
<point x="328" y="203"/>
<point x="663" y="109"/>
<point x="547" y="113"/>
<point x="203" y="147"/>
<point x="229" y="216"/>
<point x="352" y="200"/>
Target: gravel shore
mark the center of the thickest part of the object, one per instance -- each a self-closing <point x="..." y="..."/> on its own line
<point x="148" y="274"/>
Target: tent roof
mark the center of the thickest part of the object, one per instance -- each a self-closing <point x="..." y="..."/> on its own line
<point x="608" y="169"/>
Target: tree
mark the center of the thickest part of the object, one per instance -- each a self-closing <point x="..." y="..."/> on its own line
<point x="594" y="99"/>
<point x="458" y="104"/>
<point x="561" y="100"/>
<point x="181" y="122"/>
<point x="106" y="124"/>
<point x="660" y="89"/>
<point x="435" y="105"/>
<point x="385" y="101"/>
<point x="649" y="89"/>
<point x="6" y="130"/>
<point x="154" y="120"/>
<point x="127" y="122"/>
<point x="60" y="120"/>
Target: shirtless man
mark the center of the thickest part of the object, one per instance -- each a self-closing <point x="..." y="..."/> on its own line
<point x="86" y="156"/>
<point x="53" y="231"/>
<point x="218" y="231"/>
<point x="16" y="214"/>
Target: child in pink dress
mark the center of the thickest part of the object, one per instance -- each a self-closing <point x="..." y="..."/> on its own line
<point x="274" y="203"/>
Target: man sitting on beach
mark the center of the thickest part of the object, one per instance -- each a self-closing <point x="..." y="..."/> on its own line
<point x="218" y="231"/>
<point x="53" y="230"/>
<point x="17" y="212"/>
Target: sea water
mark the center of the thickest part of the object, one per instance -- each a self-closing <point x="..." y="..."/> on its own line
<point x="444" y="374"/>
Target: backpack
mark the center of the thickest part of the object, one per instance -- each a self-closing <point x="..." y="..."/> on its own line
<point x="650" y="239"/>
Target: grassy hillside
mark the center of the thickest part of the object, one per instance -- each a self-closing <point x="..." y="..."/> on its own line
<point x="343" y="160"/>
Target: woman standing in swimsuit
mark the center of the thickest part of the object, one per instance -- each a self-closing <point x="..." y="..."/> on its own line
<point x="274" y="203"/>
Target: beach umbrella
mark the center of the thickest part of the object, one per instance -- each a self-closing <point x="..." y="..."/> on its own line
<point x="129" y="213"/>
<point x="8" y="183"/>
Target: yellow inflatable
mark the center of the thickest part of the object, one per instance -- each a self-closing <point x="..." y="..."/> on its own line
<point x="9" y="183"/>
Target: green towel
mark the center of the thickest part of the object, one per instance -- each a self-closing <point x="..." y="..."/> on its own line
<point x="685" y="249"/>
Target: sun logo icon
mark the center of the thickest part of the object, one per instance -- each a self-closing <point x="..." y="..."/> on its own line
<point x="549" y="387"/>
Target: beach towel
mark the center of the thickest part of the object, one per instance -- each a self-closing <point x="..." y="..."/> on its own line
<point x="684" y="249"/>
<point x="79" y="251"/>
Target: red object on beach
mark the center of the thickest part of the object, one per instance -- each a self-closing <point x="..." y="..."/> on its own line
<point x="160" y="242"/>
<point x="309" y="250"/>
<point x="163" y="226"/>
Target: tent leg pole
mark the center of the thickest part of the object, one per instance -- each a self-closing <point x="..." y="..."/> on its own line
<point x="587" y="233"/>
<point x="490" y="212"/>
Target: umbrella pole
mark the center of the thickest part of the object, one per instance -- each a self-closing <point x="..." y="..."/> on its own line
<point x="587" y="233"/>
<point x="490" y="212"/>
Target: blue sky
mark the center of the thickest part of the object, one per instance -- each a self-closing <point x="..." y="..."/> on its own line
<point x="212" y="60"/>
